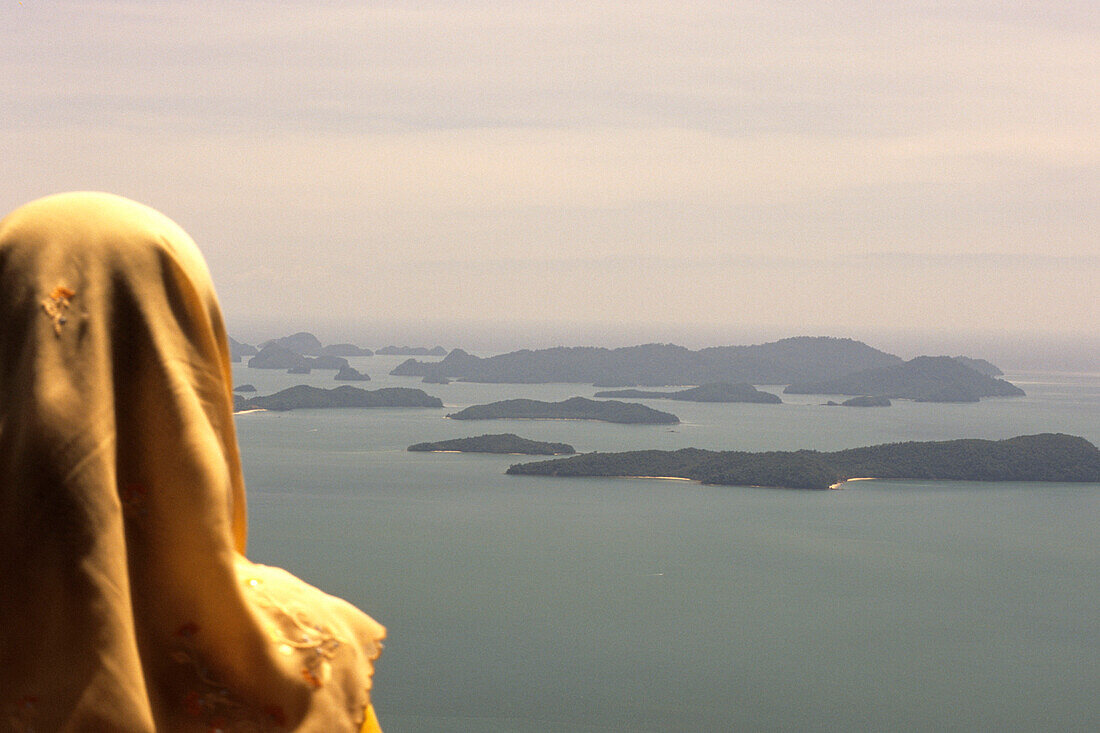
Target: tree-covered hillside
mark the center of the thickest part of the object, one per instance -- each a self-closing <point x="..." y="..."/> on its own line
<point x="574" y="408"/>
<point x="780" y="362"/>
<point x="1045" y="457"/>
<point x="715" y="392"/>
<point x="306" y="397"/>
<point x="499" y="443"/>
<point x="925" y="378"/>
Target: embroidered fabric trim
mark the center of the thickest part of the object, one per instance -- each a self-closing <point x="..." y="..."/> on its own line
<point x="214" y="704"/>
<point x="319" y="644"/>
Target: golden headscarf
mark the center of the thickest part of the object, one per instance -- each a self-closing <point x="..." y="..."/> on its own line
<point x="126" y="603"/>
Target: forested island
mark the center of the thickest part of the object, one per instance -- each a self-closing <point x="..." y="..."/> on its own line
<point x="715" y="392"/>
<point x="282" y="352"/>
<point x="799" y="359"/>
<point x="574" y="408"/>
<point x="499" y="443"/>
<point x="1044" y="457"/>
<point x="807" y="364"/>
<point x="239" y="350"/>
<point x="306" y="397"/>
<point x="411" y="351"/>
<point x="275" y="356"/>
<point x="980" y="365"/>
<point x="346" y="350"/>
<point x="864" y="401"/>
<point x="302" y="342"/>
<point x="925" y="379"/>
<point x="351" y="374"/>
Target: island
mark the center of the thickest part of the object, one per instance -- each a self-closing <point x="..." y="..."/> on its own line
<point x="326" y="361"/>
<point x="238" y="349"/>
<point x="980" y="365"/>
<point x="1044" y="457"/>
<point x="306" y="397"/>
<point x="350" y="374"/>
<point x="412" y="351"/>
<point x="925" y="379"/>
<point x="865" y="401"/>
<point x="345" y="350"/>
<point x="804" y="358"/>
<point x="302" y="342"/>
<point x="714" y="392"/>
<point x="499" y="443"/>
<point x="574" y="408"/>
<point x="276" y="356"/>
<point x="245" y="388"/>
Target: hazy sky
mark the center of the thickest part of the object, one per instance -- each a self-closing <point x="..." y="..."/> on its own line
<point x="737" y="167"/>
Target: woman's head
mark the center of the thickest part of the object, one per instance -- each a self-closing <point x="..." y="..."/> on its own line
<point x="121" y="495"/>
<point x="109" y="325"/>
<point x="127" y="603"/>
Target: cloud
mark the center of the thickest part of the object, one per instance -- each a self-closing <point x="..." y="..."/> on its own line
<point x="720" y="146"/>
<point x="766" y="67"/>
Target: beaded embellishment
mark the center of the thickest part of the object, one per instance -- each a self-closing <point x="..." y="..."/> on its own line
<point x="56" y="305"/>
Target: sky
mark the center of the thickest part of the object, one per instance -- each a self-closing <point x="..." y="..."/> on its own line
<point x="601" y="172"/>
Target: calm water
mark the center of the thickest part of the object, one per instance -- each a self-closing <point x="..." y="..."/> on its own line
<point x="536" y="604"/>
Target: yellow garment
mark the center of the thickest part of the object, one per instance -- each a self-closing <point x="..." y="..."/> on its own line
<point x="370" y="725"/>
<point x="126" y="603"/>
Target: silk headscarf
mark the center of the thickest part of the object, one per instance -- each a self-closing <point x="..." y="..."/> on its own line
<point x="126" y="602"/>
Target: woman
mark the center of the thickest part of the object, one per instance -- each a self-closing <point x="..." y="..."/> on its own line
<point x="126" y="602"/>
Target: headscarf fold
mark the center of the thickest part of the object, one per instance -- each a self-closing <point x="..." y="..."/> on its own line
<point x="126" y="602"/>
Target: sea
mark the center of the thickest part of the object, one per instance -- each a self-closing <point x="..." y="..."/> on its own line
<point x="527" y="603"/>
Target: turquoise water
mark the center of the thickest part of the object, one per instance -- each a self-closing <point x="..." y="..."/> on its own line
<point x="535" y="604"/>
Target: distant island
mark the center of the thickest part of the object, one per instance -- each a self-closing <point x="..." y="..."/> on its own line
<point x="275" y="356"/>
<point x="302" y="342"/>
<point x="245" y="388"/>
<point x="790" y="360"/>
<point x="325" y="361"/>
<point x="574" y="408"/>
<point x="345" y="350"/>
<point x="278" y="354"/>
<point x="979" y="365"/>
<point x="306" y="397"/>
<point x="295" y="350"/>
<point x="239" y="350"/>
<point x="307" y="344"/>
<point x="863" y="401"/>
<point x="500" y="443"/>
<point x="715" y="392"/>
<point x="411" y="351"/>
<point x="1045" y="457"/>
<point x="925" y="379"/>
<point x="350" y="374"/>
